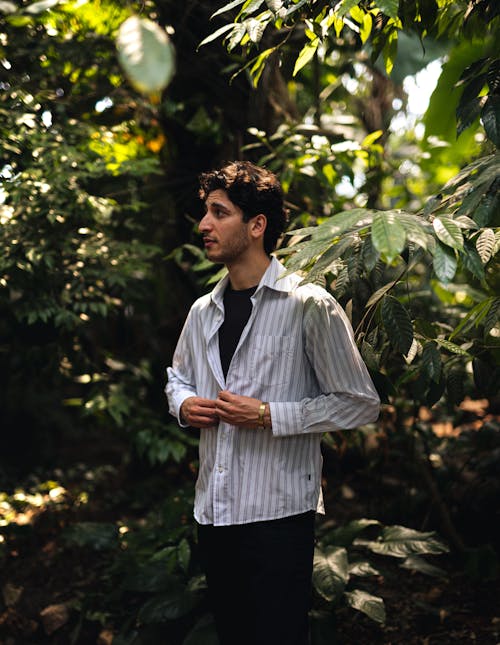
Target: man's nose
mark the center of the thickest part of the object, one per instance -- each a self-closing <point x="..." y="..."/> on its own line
<point x="204" y="224"/>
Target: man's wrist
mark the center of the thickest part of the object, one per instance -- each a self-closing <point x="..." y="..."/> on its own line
<point x="264" y="418"/>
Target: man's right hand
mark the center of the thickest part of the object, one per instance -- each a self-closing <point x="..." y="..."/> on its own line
<point x="198" y="412"/>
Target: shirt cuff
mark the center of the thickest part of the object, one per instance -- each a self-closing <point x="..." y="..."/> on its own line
<point x="286" y="418"/>
<point x="177" y="400"/>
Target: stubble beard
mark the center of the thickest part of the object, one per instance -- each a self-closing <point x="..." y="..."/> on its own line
<point x="231" y="251"/>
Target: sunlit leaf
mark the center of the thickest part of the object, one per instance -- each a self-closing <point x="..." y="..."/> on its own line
<point x="397" y="323"/>
<point x="7" y="7"/>
<point x="41" y="6"/>
<point x="388" y="235"/>
<point x="445" y="263"/>
<point x="363" y="569"/>
<point x="344" y="535"/>
<point x="146" y="54"/>
<point x="227" y="7"/>
<point x="372" y="606"/>
<point x="216" y="34"/>
<point x="331" y="572"/>
<point x="401" y="542"/>
<point x="414" y="563"/>
<point x="306" y="55"/>
<point x="452" y="347"/>
<point x="448" y="232"/>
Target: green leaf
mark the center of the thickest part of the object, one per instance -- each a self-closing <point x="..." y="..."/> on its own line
<point x="331" y="572"/>
<point x="455" y="386"/>
<point x="7" y="7"/>
<point x="474" y="317"/>
<point x="431" y="360"/>
<point x="40" y="7"/>
<point x="306" y="55"/>
<point x="397" y="323"/>
<point x="445" y="263"/>
<point x="490" y="117"/>
<point x="168" y="606"/>
<point x="345" y="535"/>
<point x="216" y="34"/>
<point x="146" y="54"/>
<point x="154" y="576"/>
<point x="401" y="542"/>
<point x="363" y="569"/>
<point x="451" y="347"/>
<point x="414" y="563"/>
<point x="448" y="232"/>
<point x="493" y="75"/>
<point x="372" y="606"/>
<point x="389" y="7"/>
<point x="492" y="317"/>
<point x="227" y="7"/>
<point x="485" y="244"/>
<point x="274" y="5"/>
<point x="184" y="554"/>
<point x="344" y="6"/>
<point x="388" y="235"/>
<point x="98" y="536"/>
<point x="468" y="113"/>
<point x="203" y="633"/>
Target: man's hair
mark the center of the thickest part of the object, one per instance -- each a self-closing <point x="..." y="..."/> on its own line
<point x="253" y="189"/>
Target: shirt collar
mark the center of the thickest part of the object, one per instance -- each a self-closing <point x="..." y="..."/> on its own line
<point x="273" y="278"/>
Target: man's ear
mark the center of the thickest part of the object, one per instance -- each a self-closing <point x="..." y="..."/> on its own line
<point x="258" y="225"/>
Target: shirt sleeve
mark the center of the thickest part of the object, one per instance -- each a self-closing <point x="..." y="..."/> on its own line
<point x="348" y="397"/>
<point x="181" y="382"/>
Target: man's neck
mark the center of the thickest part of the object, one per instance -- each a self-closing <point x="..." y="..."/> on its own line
<point x="244" y="275"/>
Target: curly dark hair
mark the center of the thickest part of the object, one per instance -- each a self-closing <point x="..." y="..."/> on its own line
<point x="255" y="190"/>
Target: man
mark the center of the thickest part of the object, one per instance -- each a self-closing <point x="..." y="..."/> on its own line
<point x="263" y="366"/>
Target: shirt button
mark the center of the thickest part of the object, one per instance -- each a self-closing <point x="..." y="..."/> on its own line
<point x="221" y="469"/>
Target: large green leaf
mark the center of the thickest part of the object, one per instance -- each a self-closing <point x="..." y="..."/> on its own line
<point x="329" y="257"/>
<point x="490" y="116"/>
<point x="415" y="563"/>
<point x="448" y="232"/>
<point x="431" y="360"/>
<point x="485" y="244"/>
<point x="146" y="54"/>
<point x="388" y="235"/>
<point x="372" y="606"/>
<point x="331" y="572"/>
<point x="397" y="323"/>
<point x="445" y="263"/>
<point x="389" y="7"/>
<point x="401" y="542"/>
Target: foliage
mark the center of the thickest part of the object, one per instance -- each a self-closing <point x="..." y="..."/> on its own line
<point x="335" y="567"/>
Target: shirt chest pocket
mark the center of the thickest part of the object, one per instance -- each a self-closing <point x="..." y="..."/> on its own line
<point x="271" y="360"/>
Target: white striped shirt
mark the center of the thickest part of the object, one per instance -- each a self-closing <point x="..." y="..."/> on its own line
<point x="297" y="352"/>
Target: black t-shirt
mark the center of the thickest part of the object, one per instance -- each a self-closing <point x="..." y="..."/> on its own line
<point x="237" y="310"/>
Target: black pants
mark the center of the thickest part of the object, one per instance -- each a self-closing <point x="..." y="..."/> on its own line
<point x="259" y="579"/>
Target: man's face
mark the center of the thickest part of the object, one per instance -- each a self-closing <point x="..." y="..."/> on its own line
<point x="225" y="235"/>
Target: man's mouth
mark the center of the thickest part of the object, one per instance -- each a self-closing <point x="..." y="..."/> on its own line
<point x="208" y="241"/>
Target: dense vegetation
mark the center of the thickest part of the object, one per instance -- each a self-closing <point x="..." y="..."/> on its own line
<point x="101" y="143"/>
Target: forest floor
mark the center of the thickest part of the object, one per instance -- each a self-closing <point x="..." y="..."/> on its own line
<point x="40" y="577"/>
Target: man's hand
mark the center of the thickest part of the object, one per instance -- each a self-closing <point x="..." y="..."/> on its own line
<point x="238" y="410"/>
<point x="198" y="412"/>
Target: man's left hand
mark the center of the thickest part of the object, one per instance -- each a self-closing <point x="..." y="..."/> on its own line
<point x="238" y="410"/>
